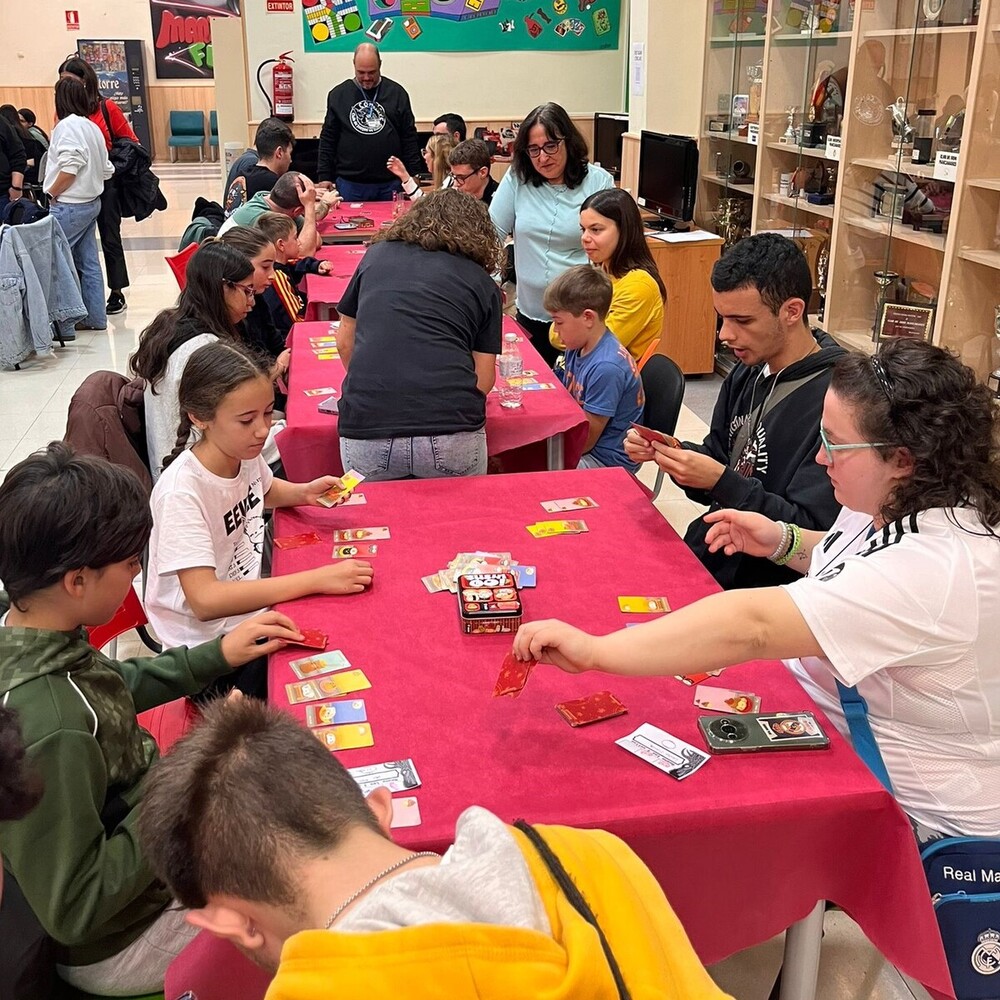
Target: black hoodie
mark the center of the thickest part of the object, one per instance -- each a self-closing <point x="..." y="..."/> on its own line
<point x="786" y="483"/>
<point x="362" y="129"/>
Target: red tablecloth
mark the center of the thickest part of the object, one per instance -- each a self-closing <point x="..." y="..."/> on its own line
<point x="378" y="212"/>
<point x="325" y="290"/>
<point x="310" y="445"/>
<point x="743" y="848"/>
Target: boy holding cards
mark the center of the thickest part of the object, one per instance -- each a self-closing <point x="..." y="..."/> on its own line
<point x="488" y="919"/>
<point x="71" y="531"/>
<point x="600" y="373"/>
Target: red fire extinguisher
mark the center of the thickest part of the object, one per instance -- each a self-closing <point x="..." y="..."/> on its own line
<point x="281" y="104"/>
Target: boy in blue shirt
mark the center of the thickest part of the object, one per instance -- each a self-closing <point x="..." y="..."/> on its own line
<point x="600" y="373"/>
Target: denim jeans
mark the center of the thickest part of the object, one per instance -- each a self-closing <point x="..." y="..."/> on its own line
<point x="355" y="191"/>
<point x="435" y="457"/>
<point x="79" y="223"/>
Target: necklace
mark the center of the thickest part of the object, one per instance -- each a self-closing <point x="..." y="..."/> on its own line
<point x="377" y="878"/>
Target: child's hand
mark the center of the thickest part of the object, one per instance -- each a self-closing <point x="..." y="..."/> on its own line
<point x="348" y="576"/>
<point x="325" y="267"/>
<point x="281" y="363"/>
<point x="258" y="636"/>
<point x="311" y="492"/>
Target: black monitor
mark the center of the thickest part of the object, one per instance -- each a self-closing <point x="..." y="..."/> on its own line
<point x="668" y="176"/>
<point x="608" y="131"/>
<point x="305" y="158"/>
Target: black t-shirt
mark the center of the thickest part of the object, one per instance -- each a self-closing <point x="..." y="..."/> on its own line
<point x="489" y="191"/>
<point x="420" y="315"/>
<point x="259" y="178"/>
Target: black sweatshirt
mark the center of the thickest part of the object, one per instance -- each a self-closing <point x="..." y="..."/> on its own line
<point x="786" y="483"/>
<point x="363" y="129"/>
<point x="13" y="159"/>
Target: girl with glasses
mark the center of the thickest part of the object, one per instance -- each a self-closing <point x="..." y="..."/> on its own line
<point x="900" y="598"/>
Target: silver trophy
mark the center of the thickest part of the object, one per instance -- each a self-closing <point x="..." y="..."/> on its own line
<point x="902" y="130"/>
<point x="790" y="135"/>
<point x="993" y="379"/>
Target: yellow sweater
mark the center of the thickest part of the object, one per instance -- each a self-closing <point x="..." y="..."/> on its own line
<point x="493" y="962"/>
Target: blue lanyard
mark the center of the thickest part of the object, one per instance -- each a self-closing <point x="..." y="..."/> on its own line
<point x="370" y="102"/>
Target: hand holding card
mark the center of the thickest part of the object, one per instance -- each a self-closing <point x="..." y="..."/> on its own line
<point x="650" y="435"/>
<point x="514" y="675"/>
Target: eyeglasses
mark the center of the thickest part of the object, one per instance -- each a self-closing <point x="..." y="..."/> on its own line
<point x="548" y="148"/>
<point x="831" y="448"/>
<point x="247" y="290"/>
<point x="878" y="370"/>
<point x="460" y="179"/>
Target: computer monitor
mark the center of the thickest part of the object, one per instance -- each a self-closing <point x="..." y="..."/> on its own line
<point x="668" y="177"/>
<point x="305" y="158"/>
<point x="608" y="131"/>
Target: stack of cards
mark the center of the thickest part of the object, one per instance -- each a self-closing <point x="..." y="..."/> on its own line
<point x="514" y="674"/>
<point x="546" y="529"/>
<point x="324" y="348"/>
<point x="468" y="563"/>
<point x="569" y="504"/>
<point x="335" y="495"/>
<point x="298" y="541"/>
<point x="593" y="708"/>
<point x="357" y="543"/>
<point x="665" y="752"/>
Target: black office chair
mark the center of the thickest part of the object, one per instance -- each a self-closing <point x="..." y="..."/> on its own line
<point x="663" y="384"/>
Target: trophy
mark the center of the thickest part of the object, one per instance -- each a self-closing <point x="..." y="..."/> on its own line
<point x="993" y="379"/>
<point x="789" y="133"/>
<point x="732" y="220"/>
<point x="885" y="280"/>
<point x="902" y="130"/>
<point x="755" y="74"/>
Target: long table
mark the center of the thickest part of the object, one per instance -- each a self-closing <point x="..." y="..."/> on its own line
<point x="549" y="430"/>
<point x="744" y="848"/>
<point x="324" y="291"/>
<point x="378" y="213"/>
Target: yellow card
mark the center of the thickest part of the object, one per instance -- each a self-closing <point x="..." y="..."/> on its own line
<point x="643" y="605"/>
<point x="327" y="687"/>
<point x="345" y="737"/>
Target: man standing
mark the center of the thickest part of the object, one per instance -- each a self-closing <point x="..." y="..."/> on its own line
<point x="760" y="453"/>
<point x="470" y="169"/>
<point x="368" y="120"/>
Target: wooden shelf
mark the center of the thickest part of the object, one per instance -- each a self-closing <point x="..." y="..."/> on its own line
<point x="905" y="167"/>
<point x="950" y="29"/>
<point x="986" y="183"/>
<point x="800" y="204"/>
<point x="854" y="340"/>
<point x="735" y="40"/>
<point x="729" y="136"/>
<point x="788" y="147"/>
<point x="991" y="258"/>
<point x="906" y="234"/>
<point x="732" y="185"/>
<point x="807" y="37"/>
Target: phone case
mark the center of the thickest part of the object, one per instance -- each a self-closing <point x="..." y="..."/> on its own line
<point x="757" y="733"/>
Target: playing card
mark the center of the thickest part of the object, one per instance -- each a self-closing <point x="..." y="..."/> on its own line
<point x="405" y="812"/>
<point x="789" y="726"/>
<point x="346" y="682"/>
<point x="692" y="679"/>
<point x="327" y="341"/>
<point x="362" y="551"/>
<point x="593" y="708"/>
<point x="642" y="605"/>
<point x="648" y="434"/>
<point x="298" y="541"/>
<point x="327" y="390"/>
<point x="534" y="386"/>
<point x="333" y="713"/>
<point x="514" y="675"/>
<point x="327" y="355"/>
<point x="571" y="503"/>
<point x="345" y="737"/>
<point x="348" y="481"/>
<point x="433" y="583"/>
<point x="546" y="529"/>
<point x="354" y="499"/>
<point x="396" y="775"/>
<point x="665" y="752"/>
<point x="724" y="700"/>
<point x="527" y="576"/>
<point x="312" y="638"/>
<point x="321" y="663"/>
<point x="360" y="534"/>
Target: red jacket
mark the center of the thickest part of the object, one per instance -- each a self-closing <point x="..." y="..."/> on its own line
<point x="119" y="124"/>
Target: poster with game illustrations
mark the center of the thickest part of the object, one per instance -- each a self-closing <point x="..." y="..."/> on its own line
<point x="182" y="36"/>
<point x="461" y="25"/>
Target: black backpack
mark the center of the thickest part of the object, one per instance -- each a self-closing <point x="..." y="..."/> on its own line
<point x="21" y="212"/>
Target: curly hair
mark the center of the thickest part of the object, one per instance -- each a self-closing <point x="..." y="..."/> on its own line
<point x="933" y="406"/>
<point x="20" y="788"/>
<point x="452" y="221"/>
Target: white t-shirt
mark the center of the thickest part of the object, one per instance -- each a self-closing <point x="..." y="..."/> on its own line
<point x="912" y="617"/>
<point x="201" y="519"/>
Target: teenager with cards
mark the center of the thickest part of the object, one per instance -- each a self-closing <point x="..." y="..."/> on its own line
<point x="316" y="890"/>
<point x="901" y="597"/>
<point x="759" y="452"/>
<point x="206" y="548"/>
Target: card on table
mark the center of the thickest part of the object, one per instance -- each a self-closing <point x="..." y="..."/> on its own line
<point x="724" y="700"/>
<point x="346" y="682"/>
<point x="514" y="675"/>
<point x="527" y="576"/>
<point x="348" y="481"/>
<point x="592" y="708"/>
<point x="298" y="541"/>
<point x="321" y="663"/>
<point x="570" y="503"/>
<point x="396" y="775"/>
<point x="405" y="812"/>
<point x="650" y="435"/>
<point x="692" y="679"/>
<point x="546" y="529"/>
<point x="312" y="638"/>
<point x="363" y="551"/>
<point x="333" y="713"/>
<point x="535" y="386"/>
<point x="345" y="737"/>
<point x="433" y="583"/>
<point x="327" y="390"/>
<point x="354" y="500"/>
<point x="360" y="534"/>
<point x="326" y="355"/>
<point x="643" y="605"/>
<point x="665" y="752"/>
<point x="328" y="340"/>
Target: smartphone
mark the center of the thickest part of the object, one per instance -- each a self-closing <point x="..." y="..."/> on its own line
<point x="648" y="434"/>
<point x="329" y="405"/>
<point x="345" y="225"/>
<point x="756" y="733"/>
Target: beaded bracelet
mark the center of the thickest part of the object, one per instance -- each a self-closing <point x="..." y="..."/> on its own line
<point x="786" y="537"/>
<point x="794" y="548"/>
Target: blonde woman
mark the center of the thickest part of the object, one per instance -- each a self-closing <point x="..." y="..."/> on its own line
<point x="435" y="155"/>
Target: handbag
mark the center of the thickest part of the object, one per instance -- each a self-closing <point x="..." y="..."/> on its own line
<point x="963" y="875"/>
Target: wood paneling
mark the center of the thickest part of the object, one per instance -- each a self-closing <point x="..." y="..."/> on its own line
<point x="41" y="100"/>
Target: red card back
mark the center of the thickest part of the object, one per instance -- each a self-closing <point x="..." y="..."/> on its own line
<point x="593" y="708"/>
<point x="514" y="675"/>
<point x="312" y="638"/>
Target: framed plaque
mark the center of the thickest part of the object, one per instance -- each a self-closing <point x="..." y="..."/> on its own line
<point x="898" y="319"/>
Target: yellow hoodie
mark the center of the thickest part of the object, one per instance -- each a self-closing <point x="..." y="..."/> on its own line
<point x="492" y="962"/>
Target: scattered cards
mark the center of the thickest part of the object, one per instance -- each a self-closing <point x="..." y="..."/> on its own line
<point x="360" y="534"/>
<point x="333" y="713"/>
<point x="514" y="675"/>
<point x="396" y="775"/>
<point x="298" y="541"/>
<point x="593" y="708"/>
<point x="546" y="529"/>
<point x="642" y="605"/>
<point x="648" y="434"/>
<point x="433" y="583"/>
<point x="346" y="682"/>
<point x="348" y="481"/>
<point x="345" y="737"/>
<point x="364" y="550"/>
<point x="724" y="700"/>
<point x="665" y="752"/>
<point x="324" y="663"/>
<point x="312" y="638"/>
<point x="405" y="812"/>
<point x="527" y="576"/>
<point x="571" y="503"/>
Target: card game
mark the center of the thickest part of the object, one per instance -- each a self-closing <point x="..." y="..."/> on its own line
<point x="489" y="604"/>
<point x="396" y="775"/>
<point x="323" y="663"/>
<point x="648" y="434"/>
<point x="571" y="503"/>
<point x="723" y="700"/>
<point x="333" y="713"/>
<point x="592" y="708"/>
<point x="546" y="529"/>
<point x="312" y="638"/>
<point x="514" y="675"/>
<point x="405" y="812"/>
<point x="346" y="682"/>
<point x="345" y="737"/>
<point x="298" y="541"/>
<point x="643" y="605"/>
<point x="360" y="534"/>
<point x="355" y="499"/>
<point x="362" y="551"/>
<point x="665" y="752"/>
<point x="333" y="496"/>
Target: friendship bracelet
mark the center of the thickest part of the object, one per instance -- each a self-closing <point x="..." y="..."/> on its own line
<point x="794" y="548"/>
<point x="782" y="544"/>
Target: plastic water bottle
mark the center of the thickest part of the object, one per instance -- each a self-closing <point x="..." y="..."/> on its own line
<point x="511" y="367"/>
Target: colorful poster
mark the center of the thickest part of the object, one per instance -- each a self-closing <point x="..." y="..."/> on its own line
<point x="182" y="36"/>
<point x="461" y="25"/>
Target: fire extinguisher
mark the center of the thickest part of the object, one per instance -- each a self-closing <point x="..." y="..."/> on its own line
<point x="281" y="104"/>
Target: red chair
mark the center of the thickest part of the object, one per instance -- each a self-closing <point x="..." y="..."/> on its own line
<point x="179" y="262"/>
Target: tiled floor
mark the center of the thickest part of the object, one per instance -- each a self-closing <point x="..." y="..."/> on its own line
<point x="33" y="405"/>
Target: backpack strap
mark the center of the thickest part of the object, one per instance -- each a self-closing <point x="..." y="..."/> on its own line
<point x="576" y="898"/>
<point x="856" y="712"/>
<point x="107" y="118"/>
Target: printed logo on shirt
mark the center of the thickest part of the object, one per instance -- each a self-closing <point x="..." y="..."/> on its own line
<point x="754" y="459"/>
<point x="234" y="518"/>
<point x="890" y="535"/>
<point x="247" y="518"/>
<point x="368" y="117"/>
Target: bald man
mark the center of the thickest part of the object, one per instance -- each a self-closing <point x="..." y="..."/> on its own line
<point x="368" y="120"/>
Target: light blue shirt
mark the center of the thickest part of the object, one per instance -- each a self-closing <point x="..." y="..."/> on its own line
<point x="545" y="221"/>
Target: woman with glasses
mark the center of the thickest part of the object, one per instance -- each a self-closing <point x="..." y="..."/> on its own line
<point x="435" y="155"/>
<point x="538" y="201"/>
<point x="900" y="598"/>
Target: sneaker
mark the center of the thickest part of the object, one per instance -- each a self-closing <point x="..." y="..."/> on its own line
<point x="116" y="303"/>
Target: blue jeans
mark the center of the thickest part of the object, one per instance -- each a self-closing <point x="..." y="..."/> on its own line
<point x="79" y="223"/>
<point x="353" y="191"/>
<point x="436" y="457"/>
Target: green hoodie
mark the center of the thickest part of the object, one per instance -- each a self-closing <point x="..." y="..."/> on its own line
<point x="76" y="856"/>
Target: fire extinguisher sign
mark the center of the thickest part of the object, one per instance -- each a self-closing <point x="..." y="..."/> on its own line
<point x="72" y="20"/>
<point x="280" y="6"/>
